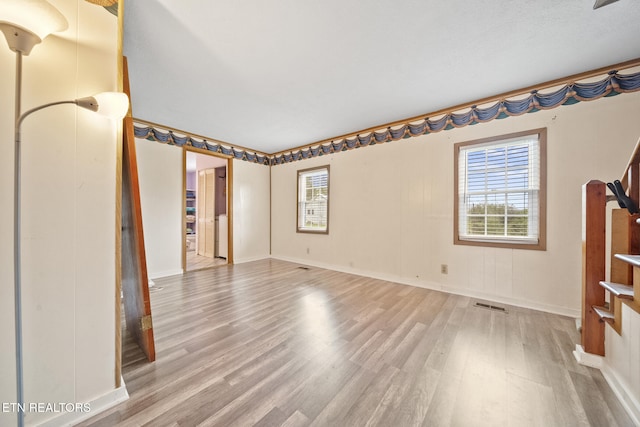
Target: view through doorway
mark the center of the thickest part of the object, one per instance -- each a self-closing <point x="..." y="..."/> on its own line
<point x="206" y="201"/>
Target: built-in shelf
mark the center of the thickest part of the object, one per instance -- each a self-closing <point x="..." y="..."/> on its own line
<point x="618" y="289"/>
<point x="604" y="314"/>
<point x="190" y="212"/>
<point x="631" y="259"/>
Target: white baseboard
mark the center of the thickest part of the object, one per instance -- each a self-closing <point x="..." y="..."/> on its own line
<point x="564" y="311"/>
<point x="587" y="359"/>
<point x="533" y="305"/>
<point x="167" y="273"/>
<point x="628" y="401"/>
<point x="97" y="405"/>
<point x="250" y="259"/>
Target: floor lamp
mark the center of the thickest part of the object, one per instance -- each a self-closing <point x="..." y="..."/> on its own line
<point x="26" y="23"/>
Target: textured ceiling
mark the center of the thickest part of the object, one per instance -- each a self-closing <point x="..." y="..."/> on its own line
<point x="273" y="75"/>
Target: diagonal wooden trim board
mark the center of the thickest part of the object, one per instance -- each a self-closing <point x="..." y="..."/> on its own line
<point x="135" y="280"/>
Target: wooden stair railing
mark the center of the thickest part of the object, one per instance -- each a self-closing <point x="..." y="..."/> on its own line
<point x="623" y="242"/>
<point x="624" y="284"/>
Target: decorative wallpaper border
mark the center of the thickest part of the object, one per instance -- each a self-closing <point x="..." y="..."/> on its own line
<point x="535" y="100"/>
<point x="614" y="84"/>
<point x="152" y="133"/>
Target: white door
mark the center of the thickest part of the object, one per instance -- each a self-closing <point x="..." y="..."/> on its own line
<point x="206" y="212"/>
<point x="223" y="246"/>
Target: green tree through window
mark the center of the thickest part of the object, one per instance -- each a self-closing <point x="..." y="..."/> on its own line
<point x="500" y="190"/>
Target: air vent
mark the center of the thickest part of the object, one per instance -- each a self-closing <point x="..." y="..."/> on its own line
<point x="491" y="307"/>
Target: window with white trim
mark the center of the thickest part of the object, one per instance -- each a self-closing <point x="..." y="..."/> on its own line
<point x="500" y="191"/>
<point x="313" y="200"/>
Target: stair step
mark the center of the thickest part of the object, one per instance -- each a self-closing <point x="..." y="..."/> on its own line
<point x="618" y="289"/>
<point x="631" y="259"/>
<point x="604" y="314"/>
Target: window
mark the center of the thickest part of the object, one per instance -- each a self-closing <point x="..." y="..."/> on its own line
<point x="500" y="188"/>
<point x="313" y="200"/>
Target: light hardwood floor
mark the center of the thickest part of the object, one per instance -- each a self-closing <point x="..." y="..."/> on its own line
<point x="199" y="262"/>
<point x="270" y="344"/>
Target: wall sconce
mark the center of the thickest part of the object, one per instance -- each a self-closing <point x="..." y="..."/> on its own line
<point x="26" y="23"/>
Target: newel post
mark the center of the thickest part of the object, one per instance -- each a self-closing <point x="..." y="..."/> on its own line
<point x="593" y="264"/>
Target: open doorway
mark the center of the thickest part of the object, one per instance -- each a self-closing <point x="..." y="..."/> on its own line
<point x="206" y="211"/>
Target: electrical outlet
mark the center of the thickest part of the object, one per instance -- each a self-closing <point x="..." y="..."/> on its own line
<point x="307" y="251"/>
<point x="444" y="269"/>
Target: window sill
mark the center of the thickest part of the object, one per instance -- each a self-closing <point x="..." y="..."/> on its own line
<point x="501" y="243"/>
<point x="310" y="231"/>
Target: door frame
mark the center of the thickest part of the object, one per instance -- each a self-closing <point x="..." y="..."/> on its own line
<point x="229" y="201"/>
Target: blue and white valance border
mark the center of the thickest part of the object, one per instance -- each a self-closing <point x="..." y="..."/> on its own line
<point x="613" y="84"/>
<point x="152" y="133"/>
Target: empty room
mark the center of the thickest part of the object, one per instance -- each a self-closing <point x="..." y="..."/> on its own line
<point x="336" y="213"/>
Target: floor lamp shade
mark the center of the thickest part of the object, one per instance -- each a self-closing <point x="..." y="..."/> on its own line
<point x="26" y="23"/>
<point x="111" y="104"/>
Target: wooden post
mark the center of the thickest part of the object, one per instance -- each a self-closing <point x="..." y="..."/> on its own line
<point x="593" y="264"/>
<point x="633" y="182"/>
<point x="633" y="173"/>
<point x="622" y="227"/>
<point x="623" y="238"/>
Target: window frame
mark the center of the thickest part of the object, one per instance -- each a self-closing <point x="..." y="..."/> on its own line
<point x="505" y="242"/>
<point x="298" y="174"/>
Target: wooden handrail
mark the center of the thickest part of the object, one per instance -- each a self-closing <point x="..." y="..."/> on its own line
<point x="633" y="160"/>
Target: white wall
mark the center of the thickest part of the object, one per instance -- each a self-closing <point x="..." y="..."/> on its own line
<point x="204" y="161"/>
<point x="251" y="215"/>
<point x="622" y="363"/>
<point x="69" y="181"/>
<point x="7" y="359"/>
<point x="160" y="175"/>
<point x="391" y="208"/>
<point x="164" y="194"/>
